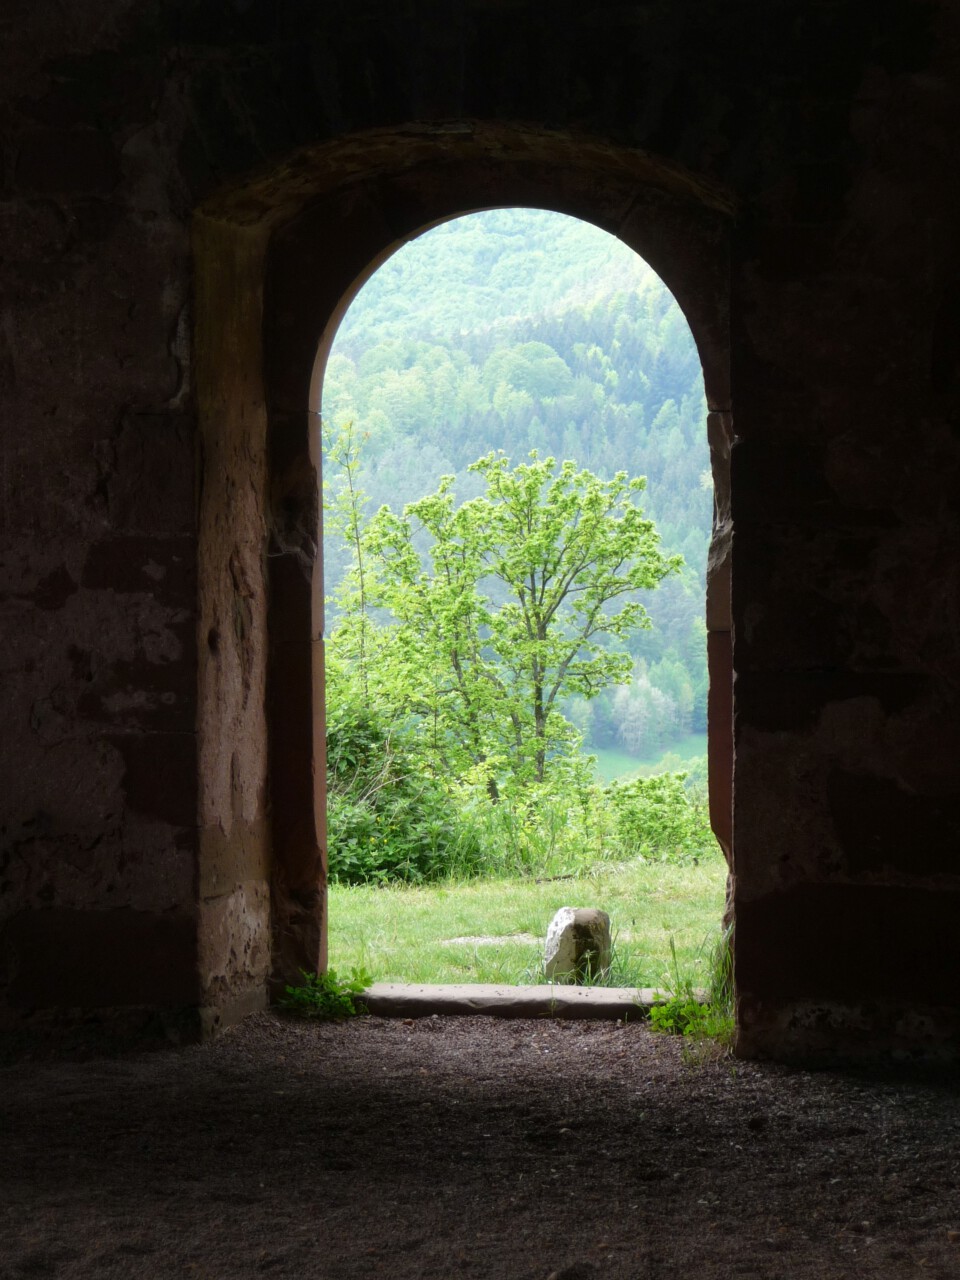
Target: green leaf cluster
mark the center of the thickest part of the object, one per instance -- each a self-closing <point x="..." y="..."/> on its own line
<point x="326" y="996"/>
<point x="681" y="1015"/>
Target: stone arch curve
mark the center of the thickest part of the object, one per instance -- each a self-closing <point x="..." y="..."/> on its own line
<point x="278" y="262"/>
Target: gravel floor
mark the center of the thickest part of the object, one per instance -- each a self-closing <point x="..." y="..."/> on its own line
<point x="471" y="1147"/>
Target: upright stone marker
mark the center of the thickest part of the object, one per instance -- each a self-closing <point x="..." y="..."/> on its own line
<point x="578" y="945"/>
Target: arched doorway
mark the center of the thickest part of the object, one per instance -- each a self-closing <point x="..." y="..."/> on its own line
<point x="510" y="330"/>
<point x="278" y="263"/>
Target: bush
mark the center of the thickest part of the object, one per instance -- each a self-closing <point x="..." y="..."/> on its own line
<point x="386" y="818"/>
<point x="658" y="818"/>
<point x="390" y="819"/>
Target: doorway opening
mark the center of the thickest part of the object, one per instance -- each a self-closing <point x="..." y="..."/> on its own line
<point x="278" y="261"/>
<point x="491" y="758"/>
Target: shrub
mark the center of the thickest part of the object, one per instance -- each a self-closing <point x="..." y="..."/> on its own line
<point x="387" y="819"/>
<point x="658" y="818"/>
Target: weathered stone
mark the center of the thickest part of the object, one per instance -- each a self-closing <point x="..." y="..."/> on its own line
<point x="578" y="945"/>
<point x="813" y="247"/>
<point x="405" y="1000"/>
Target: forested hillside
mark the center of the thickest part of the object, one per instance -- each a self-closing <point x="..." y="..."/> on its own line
<point x="518" y="330"/>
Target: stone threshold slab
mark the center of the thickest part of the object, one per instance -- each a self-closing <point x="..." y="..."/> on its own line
<point x="407" y="1000"/>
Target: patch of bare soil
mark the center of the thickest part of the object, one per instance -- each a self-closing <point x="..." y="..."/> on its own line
<point x="470" y="1147"/>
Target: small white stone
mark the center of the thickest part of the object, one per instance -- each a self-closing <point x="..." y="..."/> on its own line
<point x="578" y="945"/>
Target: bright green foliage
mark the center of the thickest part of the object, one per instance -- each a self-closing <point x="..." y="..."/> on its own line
<point x="453" y="697"/>
<point x="529" y="583"/>
<point x="659" y="818"/>
<point x="390" y="819"/>
<point x="387" y="819"/>
<point x="324" y="995"/>
<point x="532" y="368"/>
<point x="687" y="1013"/>
<point x="519" y="330"/>
<point x="474" y="646"/>
<point x="681" y="1015"/>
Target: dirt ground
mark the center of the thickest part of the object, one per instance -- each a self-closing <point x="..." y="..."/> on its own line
<point x="471" y="1147"/>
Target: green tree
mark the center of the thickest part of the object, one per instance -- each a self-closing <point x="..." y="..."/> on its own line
<point x="522" y="605"/>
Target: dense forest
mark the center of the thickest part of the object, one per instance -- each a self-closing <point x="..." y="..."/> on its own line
<point x="520" y="330"/>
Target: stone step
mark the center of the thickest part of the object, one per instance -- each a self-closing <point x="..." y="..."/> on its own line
<point x="409" y="1000"/>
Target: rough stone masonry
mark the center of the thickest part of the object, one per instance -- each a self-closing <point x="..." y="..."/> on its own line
<point x="189" y="194"/>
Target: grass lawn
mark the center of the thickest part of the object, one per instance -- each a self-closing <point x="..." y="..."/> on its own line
<point x="493" y="930"/>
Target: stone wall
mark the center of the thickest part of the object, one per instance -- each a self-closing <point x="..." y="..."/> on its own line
<point x="140" y="853"/>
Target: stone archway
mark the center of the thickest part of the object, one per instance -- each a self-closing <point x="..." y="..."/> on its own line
<point x="278" y="262"/>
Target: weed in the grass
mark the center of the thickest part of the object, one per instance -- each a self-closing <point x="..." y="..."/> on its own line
<point x="720" y="987"/>
<point x="324" y="995"/>
<point x="680" y="1015"/>
<point x="685" y="1013"/>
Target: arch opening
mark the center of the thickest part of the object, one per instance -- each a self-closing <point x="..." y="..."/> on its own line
<point x="281" y="260"/>
<point x="506" y="330"/>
